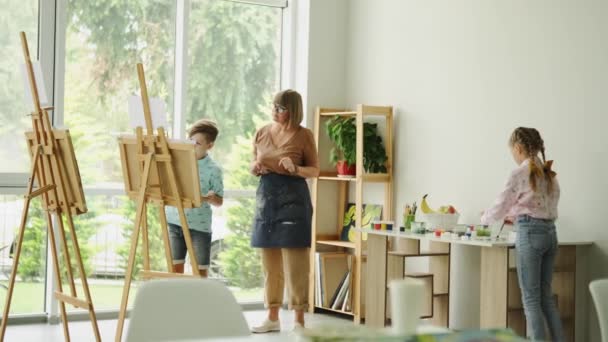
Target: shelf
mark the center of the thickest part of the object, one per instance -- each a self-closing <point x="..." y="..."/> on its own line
<point x="440" y="294"/>
<point x="338" y="243"/>
<point x="377" y="110"/>
<point x="366" y="111"/>
<point x="410" y="255"/>
<point x="339" y="114"/>
<point x="333" y="176"/>
<point x="367" y="177"/>
<point x="418" y="275"/>
<point x="555" y="269"/>
<point x="336" y="311"/>
<point x="376" y="177"/>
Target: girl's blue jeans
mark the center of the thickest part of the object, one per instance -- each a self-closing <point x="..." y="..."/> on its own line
<point x="536" y="247"/>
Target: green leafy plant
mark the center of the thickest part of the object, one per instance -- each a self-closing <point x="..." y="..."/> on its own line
<point x="342" y="132"/>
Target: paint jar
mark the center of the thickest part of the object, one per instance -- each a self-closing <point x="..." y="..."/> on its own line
<point x="418" y="227"/>
<point x="383" y="225"/>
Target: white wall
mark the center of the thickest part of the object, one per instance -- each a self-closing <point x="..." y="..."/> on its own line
<point x="463" y="74"/>
<point x="327" y="55"/>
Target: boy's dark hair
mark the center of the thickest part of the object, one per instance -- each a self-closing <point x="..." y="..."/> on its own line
<point x="206" y="127"/>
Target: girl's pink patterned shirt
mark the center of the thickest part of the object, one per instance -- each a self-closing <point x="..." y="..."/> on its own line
<point x="518" y="198"/>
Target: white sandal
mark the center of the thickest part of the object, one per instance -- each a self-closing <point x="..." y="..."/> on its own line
<point x="298" y="327"/>
<point x="267" y="326"/>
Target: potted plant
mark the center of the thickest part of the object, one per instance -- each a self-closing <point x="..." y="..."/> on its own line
<point x="342" y="132"/>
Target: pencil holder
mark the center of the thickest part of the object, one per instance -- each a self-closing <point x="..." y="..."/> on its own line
<point x="407" y="221"/>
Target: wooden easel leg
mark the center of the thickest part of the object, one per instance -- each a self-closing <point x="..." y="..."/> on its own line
<point x="11" y="283"/>
<point x="128" y="276"/>
<point x="182" y="218"/>
<point x="51" y="235"/>
<point x="145" y="243"/>
<point x="83" y="275"/>
<point x="134" y="237"/>
<point x="64" y="245"/>
<point x="59" y="178"/>
<point x="26" y="207"/>
<point x="188" y="239"/>
<point x="164" y="230"/>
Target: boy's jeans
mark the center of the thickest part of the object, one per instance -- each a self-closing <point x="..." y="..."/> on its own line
<point x="536" y="247"/>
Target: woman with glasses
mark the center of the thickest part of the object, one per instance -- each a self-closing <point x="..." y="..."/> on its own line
<point x="284" y="155"/>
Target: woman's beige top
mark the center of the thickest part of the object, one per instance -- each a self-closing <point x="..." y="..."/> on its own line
<point x="300" y="148"/>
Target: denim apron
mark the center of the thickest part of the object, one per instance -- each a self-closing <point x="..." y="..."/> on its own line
<point x="283" y="213"/>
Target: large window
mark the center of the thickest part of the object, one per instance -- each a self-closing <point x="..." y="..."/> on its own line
<point x="217" y="59"/>
<point x="15" y="16"/>
<point x="28" y="296"/>
<point x="104" y="42"/>
<point x="231" y="71"/>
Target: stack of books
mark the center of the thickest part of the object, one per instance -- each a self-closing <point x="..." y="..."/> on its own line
<point x="333" y="281"/>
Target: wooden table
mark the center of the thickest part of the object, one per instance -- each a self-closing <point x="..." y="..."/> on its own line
<point x="500" y="297"/>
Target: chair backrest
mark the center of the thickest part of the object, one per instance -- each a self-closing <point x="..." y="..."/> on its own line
<point x="180" y="309"/>
<point x="599" y="293"/>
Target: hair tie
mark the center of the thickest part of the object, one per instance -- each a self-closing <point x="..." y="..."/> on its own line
<point x="547" y="168"/>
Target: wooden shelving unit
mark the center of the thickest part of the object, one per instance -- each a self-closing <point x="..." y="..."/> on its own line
<point x="328" y="187"/>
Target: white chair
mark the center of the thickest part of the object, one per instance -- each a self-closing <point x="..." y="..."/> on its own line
<point x="180" y="309"/>
<point x="599" y="293"/>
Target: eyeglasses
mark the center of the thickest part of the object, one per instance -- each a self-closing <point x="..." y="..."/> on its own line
<point x="278" y="108"/>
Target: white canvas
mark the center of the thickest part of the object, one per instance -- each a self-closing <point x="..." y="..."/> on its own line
<point x="158" y="111"/>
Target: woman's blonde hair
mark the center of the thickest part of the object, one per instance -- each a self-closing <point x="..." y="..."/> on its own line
<point x="291" y="100"/>
<point x="531" y="142"/>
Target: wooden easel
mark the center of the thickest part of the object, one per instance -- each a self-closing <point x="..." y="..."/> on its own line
<point x="159" y="185"/>
<point x="59" y="185"/>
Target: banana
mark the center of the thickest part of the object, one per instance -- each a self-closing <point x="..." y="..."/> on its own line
<point x="425" y="206"/>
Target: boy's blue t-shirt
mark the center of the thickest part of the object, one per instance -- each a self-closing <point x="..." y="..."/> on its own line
<point x="210" y="176"/>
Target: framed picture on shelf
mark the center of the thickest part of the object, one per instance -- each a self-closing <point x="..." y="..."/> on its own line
<point x="371" y="212"/>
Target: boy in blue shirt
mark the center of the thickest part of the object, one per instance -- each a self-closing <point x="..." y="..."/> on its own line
<point x="203" y="133"/>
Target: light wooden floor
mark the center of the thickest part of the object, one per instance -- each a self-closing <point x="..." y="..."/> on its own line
<point x="81" y="331"/>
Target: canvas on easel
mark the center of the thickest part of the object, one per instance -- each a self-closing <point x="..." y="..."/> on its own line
<point x="160" y="172"/>
<point x="55" y="172"/>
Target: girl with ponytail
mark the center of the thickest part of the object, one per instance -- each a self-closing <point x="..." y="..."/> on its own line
<point x="530" y="200"/>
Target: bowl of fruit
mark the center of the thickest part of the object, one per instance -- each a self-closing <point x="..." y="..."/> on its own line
<point x="446" y="217"/>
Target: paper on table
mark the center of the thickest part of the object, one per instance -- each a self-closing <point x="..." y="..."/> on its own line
<point x="158" y="111"/>
<point x="40" y="85"/>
